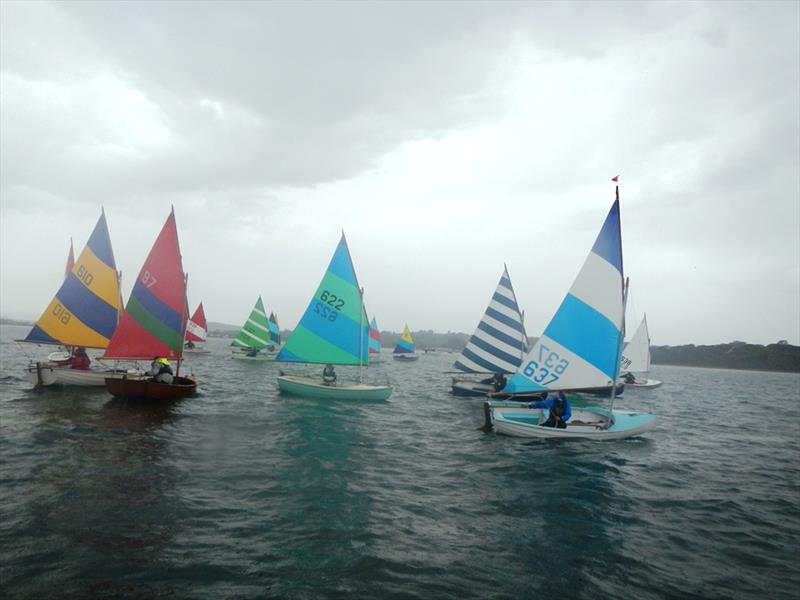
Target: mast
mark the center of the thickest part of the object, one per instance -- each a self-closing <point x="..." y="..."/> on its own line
<point x="361" y="335"/>
<point x="622" y="327"/>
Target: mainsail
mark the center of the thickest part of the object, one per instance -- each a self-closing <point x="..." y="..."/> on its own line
<point x="154" y="318"/>
<point x="197" y="328"/>
<point x="334" y="327"/>
<point x="85" y="309"/>
<point x="255" y="331"/>
<point x="274" y="330"/>
<point x="374" y="338"/>
<point x="636" y="355"/>
<point x="580" y="348"/>
<point x="499" y="342"/>
<point x="406" y="343"/>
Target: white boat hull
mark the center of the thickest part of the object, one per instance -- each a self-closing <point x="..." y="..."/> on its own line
<point x="644" y="383"/>
<point x="258" y="357"/>
<point x="592" y="423"/>
<point x="46" y="375"/>
<point x="405" y="357"/>
<point x="308" y="387"/>
<point x="196" y="351"/>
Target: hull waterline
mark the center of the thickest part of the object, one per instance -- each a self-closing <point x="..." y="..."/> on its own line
<point x="307" y="387"/>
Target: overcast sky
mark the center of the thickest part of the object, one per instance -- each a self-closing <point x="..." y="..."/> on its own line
<point x="444" y="138"/>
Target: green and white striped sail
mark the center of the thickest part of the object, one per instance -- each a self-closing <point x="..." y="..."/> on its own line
<point x="334" y="328"/>
<point x="255" y="332"/>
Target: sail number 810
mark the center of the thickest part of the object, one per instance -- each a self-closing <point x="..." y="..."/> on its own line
<point x="548" y="369"/>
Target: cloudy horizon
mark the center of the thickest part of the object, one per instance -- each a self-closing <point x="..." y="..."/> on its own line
<point x="445" y="139"/>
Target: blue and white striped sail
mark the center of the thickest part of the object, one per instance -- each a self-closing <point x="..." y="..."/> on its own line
<point x="581" y="346"/>
<point x="499" y="342"/>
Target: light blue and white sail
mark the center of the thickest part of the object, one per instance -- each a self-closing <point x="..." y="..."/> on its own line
<point x="580" y="348"/>
<point x="499" y="343"/>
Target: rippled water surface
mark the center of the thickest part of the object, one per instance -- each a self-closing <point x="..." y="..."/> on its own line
<point x="240" y="492"/>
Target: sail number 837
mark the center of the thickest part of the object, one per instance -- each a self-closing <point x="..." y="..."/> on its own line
<point x="548" y="369"/>
<point x="331" y="307"/>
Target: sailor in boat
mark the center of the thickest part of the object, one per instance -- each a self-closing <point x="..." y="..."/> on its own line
<point x="560" y="411"/>
<point x="190" y="344"/>
<point x="498" y="381"/>
<point x="629" y="378"/>
<point x="252" y="351"/>
<point x="161" y="370"/>
<point x="328" y="375"/>
<point x="78" y="360"/>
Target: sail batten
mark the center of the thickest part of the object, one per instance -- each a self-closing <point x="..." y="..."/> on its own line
<point x="499" y="340"/>
<point x="334" y="328"/>
<point x="85" y="310"/>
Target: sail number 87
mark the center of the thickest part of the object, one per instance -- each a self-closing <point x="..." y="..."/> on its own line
<point x="548" y="369"/>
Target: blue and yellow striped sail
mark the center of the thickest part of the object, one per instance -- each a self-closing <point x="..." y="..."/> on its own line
<point x="334" y="328"/>
<point x="85" y="310"/>
<point x="581" y="346"/>
<point x="406" y="343"/>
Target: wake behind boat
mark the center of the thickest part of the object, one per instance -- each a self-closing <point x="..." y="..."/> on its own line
<point x="580" y="348"/>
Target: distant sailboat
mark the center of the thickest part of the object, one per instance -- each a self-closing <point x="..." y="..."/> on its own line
<point x="70" y="260"/>
<point x="333" y="330"/>
<point x="498" y="344"/>
<point x="579" y="349"/>
<point x="274" y="331"/>
<point x="83" y="314"/>
<point x="253" y="341"/>
<point x="154" y="321"/>
<point x="636" y="359"/>
<point x="405" y="349"/>
<point x="196" y="332"/>
<point x="374" y="342"/>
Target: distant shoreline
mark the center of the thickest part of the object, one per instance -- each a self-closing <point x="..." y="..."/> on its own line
<point x="741" y="356"/>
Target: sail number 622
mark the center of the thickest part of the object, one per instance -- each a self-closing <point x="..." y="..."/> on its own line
<point x="548" y="368"/>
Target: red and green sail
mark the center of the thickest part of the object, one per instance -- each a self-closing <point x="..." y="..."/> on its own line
<point x="154" y="320"/>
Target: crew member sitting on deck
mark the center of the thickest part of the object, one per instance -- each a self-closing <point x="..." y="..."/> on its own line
<point x="161" y="370"/>
<point x="328" y="375"/>
<point x="629" y="378"/>
<point x="190" y="344"/>
<point x="77" y="360"/>
<point x="560" y="411"/>
<point x="497" y="381"/>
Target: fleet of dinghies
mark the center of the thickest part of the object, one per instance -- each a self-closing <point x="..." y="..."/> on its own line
<point x="580" y="351"/>
<point x="497" y="346"/>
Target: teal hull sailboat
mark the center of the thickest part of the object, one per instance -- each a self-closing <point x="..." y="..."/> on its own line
<point x="579" y="349"/>
<point x="334" y="330"/>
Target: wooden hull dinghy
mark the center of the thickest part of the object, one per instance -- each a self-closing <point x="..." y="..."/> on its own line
<point x="146" y="389"/>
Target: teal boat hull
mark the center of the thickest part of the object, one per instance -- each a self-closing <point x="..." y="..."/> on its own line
<point x="591" y="422"/>
<point x="307" y="387"/>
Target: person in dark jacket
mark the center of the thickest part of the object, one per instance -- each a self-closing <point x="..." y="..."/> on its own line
<point x="161" y="370"/>
<point x="560" y="411"/>
<point x="78" y="360"/>
<point x="329" y="375"/>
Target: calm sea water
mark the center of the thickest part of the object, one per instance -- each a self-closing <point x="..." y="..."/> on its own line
<point x="242" y="493"/>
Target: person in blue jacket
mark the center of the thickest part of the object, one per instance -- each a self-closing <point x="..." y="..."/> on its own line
<point x="560" y="411"/>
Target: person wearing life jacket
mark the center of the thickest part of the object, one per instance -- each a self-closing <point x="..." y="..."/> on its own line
<point x="77" y="360"/>
<point x="560" y="411"/>
<point x="328" y="375"/>
<point x="161" y="370"/>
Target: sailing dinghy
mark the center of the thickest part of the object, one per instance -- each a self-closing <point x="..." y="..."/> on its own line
<point x="154" y="321"/>
<point x="333" y="330"/>
<point x="253" y="341"/>
<point x="580" y="349"/>
<point x="498" y="344"/>
<point x="196" y="332"/>
<point x="405" y="349"/>
<point x="636" y="359"/>
<point x="83" y="314"/>
<point x="374" y="342"/>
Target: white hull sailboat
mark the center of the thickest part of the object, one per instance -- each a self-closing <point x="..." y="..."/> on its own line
<point x="636" y="359"/>
<point x="580" y="348"/>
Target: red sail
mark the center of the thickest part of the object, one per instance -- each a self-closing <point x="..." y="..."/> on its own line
<point x="197" y="327"/>
<point x="154" y="319"/>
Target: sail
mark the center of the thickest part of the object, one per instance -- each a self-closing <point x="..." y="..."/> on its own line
<point x="499" y="342"/>
<point x="580" y="347"/>
<point x="636" y="356"/>
<point x="374" y="338"/>
<point x="406" y="343"/>
<point x="197" y="328"/>
<point x="255" y="331"/>
<point x="70" y="260"/>
<point x="154" y="318"/>
<point x="85" y="309"/>
<point x="334" y="328"/>
<point x="274" y="330"/>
